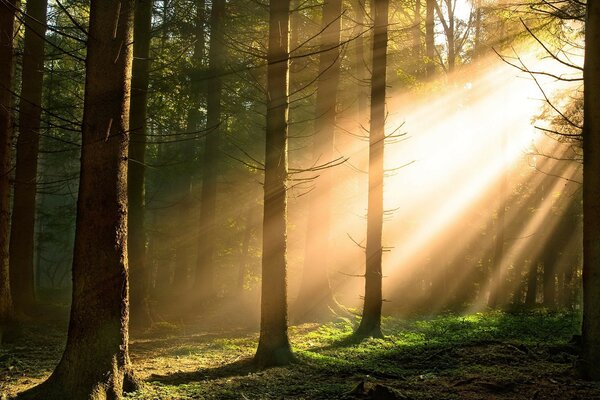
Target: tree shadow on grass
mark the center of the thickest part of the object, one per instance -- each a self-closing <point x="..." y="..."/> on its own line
<point x="238" y="368"/>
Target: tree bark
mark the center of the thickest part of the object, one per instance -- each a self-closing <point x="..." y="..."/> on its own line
<point x="591" y="195"/>
<point x="204" y="283"/>
<point x="370" y="324"/>
<point x="7" y="21"/>
<point x="316" y="300"/>
<point x="360" y="70"/>
<point x="22" y="233"/>
<point x="95" y="363"/>
<point x="136" y="248"/>
<point x="274" y="346"/>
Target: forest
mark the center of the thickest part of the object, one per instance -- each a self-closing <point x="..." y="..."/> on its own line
<point x="299" y="199"/>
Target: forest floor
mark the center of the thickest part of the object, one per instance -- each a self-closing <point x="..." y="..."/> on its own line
<point x="480" y="356"/>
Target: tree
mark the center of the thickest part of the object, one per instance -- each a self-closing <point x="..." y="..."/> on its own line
<point x="274" y="346"/>
<point x="370" y="324"/>
<point x="7" y="21"/>
<point x="316" y="298"/>
<point x="204" y="283"/>
<point x="184" y="248"/>
<point x="136" y="247"/>
<point x="30" y="110"/>
<point x="496" y="296"/>
<point x="591" y="194"/>
<point x="430" y="36"/>
<point x="360" y="70"/>
<point x="95" y="363"/>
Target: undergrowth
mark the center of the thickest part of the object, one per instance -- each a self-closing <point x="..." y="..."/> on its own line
<point x="479" y="356"/>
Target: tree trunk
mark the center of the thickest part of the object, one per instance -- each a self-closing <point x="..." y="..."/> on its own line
<point x="416" y="38"/>
<point x="478" y="25"/>
<point x="185" y="249"/>
<point x="496" y="297"/>
<point x="591" y="195"/>
<point x="204" y="286"/>
<point x="370" y="324"/>
<point x="315" y="300"/>
<point x="532" y="277"/>
<point x="549" y="277"/>
<point x="22" y="233"/>
<point x="245" y="249"/>
<point x="7" y="21"/>
<point x="430" y="37"/>
<point x="274" y="346"/>
<point x="450" y="38"/>
<point x="95" y="363"/>
<point x="136" y="248"/>
<point x="360" y="70"/>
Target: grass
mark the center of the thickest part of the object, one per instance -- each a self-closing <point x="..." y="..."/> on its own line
<point x="480" y="356"/>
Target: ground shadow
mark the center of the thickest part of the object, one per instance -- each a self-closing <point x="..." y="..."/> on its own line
<point x="238" y="368"/>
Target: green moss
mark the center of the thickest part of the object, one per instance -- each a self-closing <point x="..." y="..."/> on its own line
<point x="477" y="356"/>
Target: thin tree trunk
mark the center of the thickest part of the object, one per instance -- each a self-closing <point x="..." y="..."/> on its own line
<point x="274" y="346"/>
<point x="430" y="37"/>
<point x="477" y="40"/>
<point x="416" y="38"/>
<point x="370" y="324"/>
<point x="591" y="195"/>
<point x="7" y="21"/>
<point x="140" y="276"/>
<point x="549" y="276"/>
<point x="450" y="37"/>
<point x="244" y="252"/>
<point x="95" y="363"/>
<point x="496" y="297"/>
<point x="316" y="300"/>
<point x="360" y="70"/>
<point x="532" y="278"/>
<point x="185" y="255"/>
<point x="204" y="284"/>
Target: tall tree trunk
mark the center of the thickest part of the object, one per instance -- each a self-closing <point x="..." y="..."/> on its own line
<point x="7" y="21"/>
<point x="241" y="280"/>
<point x="532" y="278"/>
<point x="360" y="70"/>
<point x="95" y="363"/>
<point x="549" y="276"/>
<point x="316" y="300"/>
<point x="430" y="37"/>
<point x="416" y="38"/>
<point x="274" y="346"/>
<point x="478" y="25"/>
<point x="22" y="232"/>
<point x="136" y="248"/>
<point x="448" y="31"/>
<point x="185" y="254"/>
<point x="496" y="297"/>
<point x="370" y="324"/>
<point x="591" y="195"/>
<point x="204" y="284"/>
<point x="450" y="37"/>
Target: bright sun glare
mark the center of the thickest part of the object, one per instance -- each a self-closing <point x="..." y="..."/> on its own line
<point x="447" y="172"/>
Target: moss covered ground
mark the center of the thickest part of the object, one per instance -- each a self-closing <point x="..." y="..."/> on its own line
<point x="491" y="355"/>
